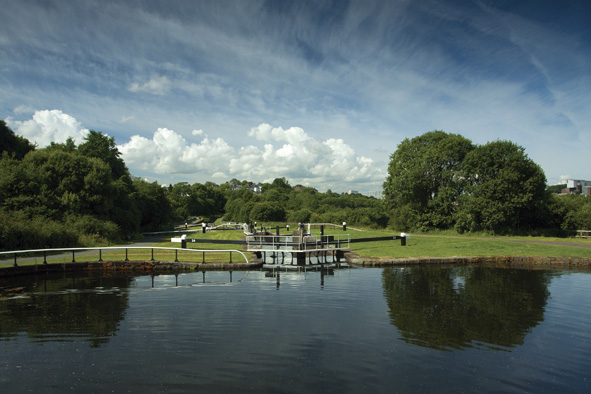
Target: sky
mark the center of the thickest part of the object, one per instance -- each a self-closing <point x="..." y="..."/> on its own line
<point x="320" y="92"/>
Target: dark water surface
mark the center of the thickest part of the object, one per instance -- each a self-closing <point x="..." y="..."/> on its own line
<point x="360" y="330"/>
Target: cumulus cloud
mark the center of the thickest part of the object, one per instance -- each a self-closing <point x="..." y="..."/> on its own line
<point x="289" y="153"/>
<point x="169" y="153"/>
<point x="274" y="152"/>
<point x="158" y="85"/>
<point x="49" y="126"/>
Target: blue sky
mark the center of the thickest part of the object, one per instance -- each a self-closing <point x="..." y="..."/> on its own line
<point x="320" y="92"/>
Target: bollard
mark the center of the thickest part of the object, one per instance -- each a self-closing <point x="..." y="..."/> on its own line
<point x="403" y="238"/>
<point x="344" y="226"/>
<point x="203" y="227"/>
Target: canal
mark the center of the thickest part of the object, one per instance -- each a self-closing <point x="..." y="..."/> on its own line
<point x="394" y="330"/>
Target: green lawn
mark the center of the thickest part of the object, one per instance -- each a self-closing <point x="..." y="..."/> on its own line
<point x="416" y="246"/>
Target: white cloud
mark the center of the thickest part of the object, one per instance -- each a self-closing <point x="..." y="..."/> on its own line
<point x="158" y="85"/>
<point x="290" y="153"/>
<point x="49" y="126"/>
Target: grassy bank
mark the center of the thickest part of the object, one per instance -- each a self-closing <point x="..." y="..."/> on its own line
<point x="439" y="245"/>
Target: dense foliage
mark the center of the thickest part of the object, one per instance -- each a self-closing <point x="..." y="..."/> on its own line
<point x="64" y="195"/>
<point x="423" y="181"/>
<point x="443" y="181"/>
<point x="280" y="202"/>
<point x="67" y="195"/>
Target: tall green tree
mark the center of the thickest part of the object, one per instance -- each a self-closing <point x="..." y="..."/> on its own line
<point x="14" y="145"/>
<point x="423" y="182"/>
<point x="103" y="147"/>
<point x="505" y="190"/>
<point x="153" y="205"/>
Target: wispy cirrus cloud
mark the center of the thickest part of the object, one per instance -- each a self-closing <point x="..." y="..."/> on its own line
<point x="368" y="73"/>
<point x="158" y="85"/>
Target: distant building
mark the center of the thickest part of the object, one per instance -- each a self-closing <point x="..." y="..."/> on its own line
<point x="576" y="186"/>
<point x="353" y="192"/>
<point x="256" y="188"/>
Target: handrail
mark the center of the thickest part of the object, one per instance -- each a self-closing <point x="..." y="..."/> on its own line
<point x="73" y="250"/>
<point x="277" y="241"/>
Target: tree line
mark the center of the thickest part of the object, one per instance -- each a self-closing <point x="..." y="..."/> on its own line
<point x="65" y="195"/>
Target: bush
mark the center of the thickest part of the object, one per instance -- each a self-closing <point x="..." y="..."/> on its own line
<point x="300" y="216"/>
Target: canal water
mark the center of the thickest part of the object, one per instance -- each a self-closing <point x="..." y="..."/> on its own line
<point x="398" y="330"/>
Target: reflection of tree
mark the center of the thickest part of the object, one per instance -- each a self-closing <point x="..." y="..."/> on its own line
<point x="446" y="308"/>
<point x="55" y="308"/>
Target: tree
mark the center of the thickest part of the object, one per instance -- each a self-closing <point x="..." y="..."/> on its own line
<point x="423" y="183"/>
<point x="267" y="211"/>
<point x="505" y="190"/>
<point x="153" y="205"/>
<point x="556" y="188"/>
<point x="13" y="144"/>
<point x="103" y="147"/>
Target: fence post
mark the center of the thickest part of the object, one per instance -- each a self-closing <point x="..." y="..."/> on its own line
<point x="126" y="259"/>
<point x="15" y="264"/>
<point x="176" y="256"/>
<point x="152" y="254"/>
<point x="100" y="255"/>
<point x="73" y="256"/>
<point x="44" y="257"/>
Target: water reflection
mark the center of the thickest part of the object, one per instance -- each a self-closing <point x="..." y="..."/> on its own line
<point x="455" y="308"/>
<point x="90" y="307"/>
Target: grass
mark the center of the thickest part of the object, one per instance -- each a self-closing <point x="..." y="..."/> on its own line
<point x="466" y="245"/>
<point x="437" y="245"/>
